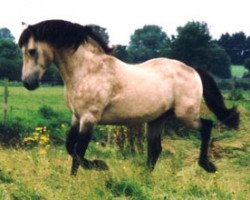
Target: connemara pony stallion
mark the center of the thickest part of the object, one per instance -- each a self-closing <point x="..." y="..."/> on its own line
<point x="100" y="89"/>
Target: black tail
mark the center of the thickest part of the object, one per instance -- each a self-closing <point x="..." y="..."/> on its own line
<point x="214" y="101"/>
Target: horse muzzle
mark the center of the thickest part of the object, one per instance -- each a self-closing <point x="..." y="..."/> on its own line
<point x="31" y="83"/>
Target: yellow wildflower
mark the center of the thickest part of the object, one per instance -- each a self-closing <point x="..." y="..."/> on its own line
<point x="39" y="128"/>
<point x="42" y="151"/>
<point x="28" y="139"/>
<point x="35" y="135"/>
<point x="43" y="139"/>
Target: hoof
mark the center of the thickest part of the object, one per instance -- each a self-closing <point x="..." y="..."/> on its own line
<point x="151" y="165"/>
<point x="84" y="163"/>
<point x="74" y="167"/>
<point x="208" y="166"/>
<point x="73" y="172"/>
<point x="100" y="165"/>
<point x="95" y="164"/>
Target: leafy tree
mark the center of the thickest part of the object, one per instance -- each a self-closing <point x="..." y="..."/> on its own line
<point x="194" y="46"/>
<point x="10" y="69"/>
<point x="9" y="50"/>
<point x="219" y="63"/>
<point x="6" y="34"/>
<point x="10" y="60"/>
<point x="148" y="42"/>
<point x="236" y="45"/>
<point x="247" y="64"/>
<point x="247" y="48"/>
<point x="52" y="76"/>
<point x="102" y="32"/>
<point x="191" y="44"/>
<point x="120" y="51"/>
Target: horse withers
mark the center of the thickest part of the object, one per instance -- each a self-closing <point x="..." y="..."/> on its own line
<point x="101" y="89"/>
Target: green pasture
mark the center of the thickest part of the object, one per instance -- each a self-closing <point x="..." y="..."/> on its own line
<point x="238" y="71"/>
<point x="26" y="174"/>
<point x="24" y="104"/>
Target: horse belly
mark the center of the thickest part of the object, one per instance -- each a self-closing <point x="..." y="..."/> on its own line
<point x="137" y="105"/>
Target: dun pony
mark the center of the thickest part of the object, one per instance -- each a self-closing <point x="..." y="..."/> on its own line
<point x="101" y="89"/>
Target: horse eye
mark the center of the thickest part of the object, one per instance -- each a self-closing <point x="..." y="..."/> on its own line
<point x="32" y="52"/>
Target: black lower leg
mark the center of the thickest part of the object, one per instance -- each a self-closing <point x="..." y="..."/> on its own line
<point x="154" y="150"/>
<point x="75" y="165"/>
<point x="72" y="139"/>
<point x="154" y="141"/>
<point x="206" y="127"/>
<point x="70" y="144"/>
<point x="140" y="141"/>
<point x="131" y="139"/>
<point x="80" y="149"/>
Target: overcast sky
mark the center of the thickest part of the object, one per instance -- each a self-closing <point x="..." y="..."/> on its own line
<point x="122" y="17"/>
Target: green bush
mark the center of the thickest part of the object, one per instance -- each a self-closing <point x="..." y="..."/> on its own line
<point x="247" y="63"/>
<point x="11" y="132"/>
<point x="58" y="133"/>
<point x="235" y="95"/>
<point x="55" y="122"/>
<point x="47" y="112"/>
<point x="228" y="84"/>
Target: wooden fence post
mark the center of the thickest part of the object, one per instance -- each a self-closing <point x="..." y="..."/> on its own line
<point x="5" y="99"/>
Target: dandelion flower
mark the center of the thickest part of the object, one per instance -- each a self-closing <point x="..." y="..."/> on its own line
<point x="44" y="139"/>
<point x="42" y="151"/>
<point x="39" y="128"/>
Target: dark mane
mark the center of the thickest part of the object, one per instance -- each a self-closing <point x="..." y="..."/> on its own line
<point x="62" y="34"/>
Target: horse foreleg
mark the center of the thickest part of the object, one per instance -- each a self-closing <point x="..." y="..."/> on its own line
<point x="80" y="150"/>
<point x="206" y="127"/>
<point x="71" y="141"/>
<point x="154" y="142"/>
<point x="140" y="138"/>
<point x="131" y="138"/>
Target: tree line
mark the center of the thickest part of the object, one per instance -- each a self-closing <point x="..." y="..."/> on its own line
<point x="192" y="44"/>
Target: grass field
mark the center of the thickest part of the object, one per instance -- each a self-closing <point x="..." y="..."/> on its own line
<point x="238" y="71"/>
<point x="25" y="174"/>
<point x="25" y="104"/>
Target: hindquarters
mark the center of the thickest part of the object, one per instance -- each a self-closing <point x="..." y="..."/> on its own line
<point x="188" y="97"/>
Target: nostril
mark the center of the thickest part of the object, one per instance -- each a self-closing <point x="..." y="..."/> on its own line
<point x="31" y="82"/>
<point x="31" y="85"/>
<point x="25" y="84"/>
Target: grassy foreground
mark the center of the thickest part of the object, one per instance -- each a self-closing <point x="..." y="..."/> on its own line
<point x="27" y="174"/>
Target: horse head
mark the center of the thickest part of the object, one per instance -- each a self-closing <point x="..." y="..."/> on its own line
<point x="37" y="57"/>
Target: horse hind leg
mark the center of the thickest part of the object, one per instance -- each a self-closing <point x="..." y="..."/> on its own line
<point x="154" y="148"/>
<point x="131" y="138"/>
<point x="205" y="131"/>
<point x="192" y="120"/>
<point x="205" y="128"/>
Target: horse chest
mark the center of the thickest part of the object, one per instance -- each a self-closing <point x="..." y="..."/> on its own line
<point x="87" y="99"/>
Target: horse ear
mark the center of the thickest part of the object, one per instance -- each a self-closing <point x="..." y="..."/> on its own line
<point x="24" y="25"/>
